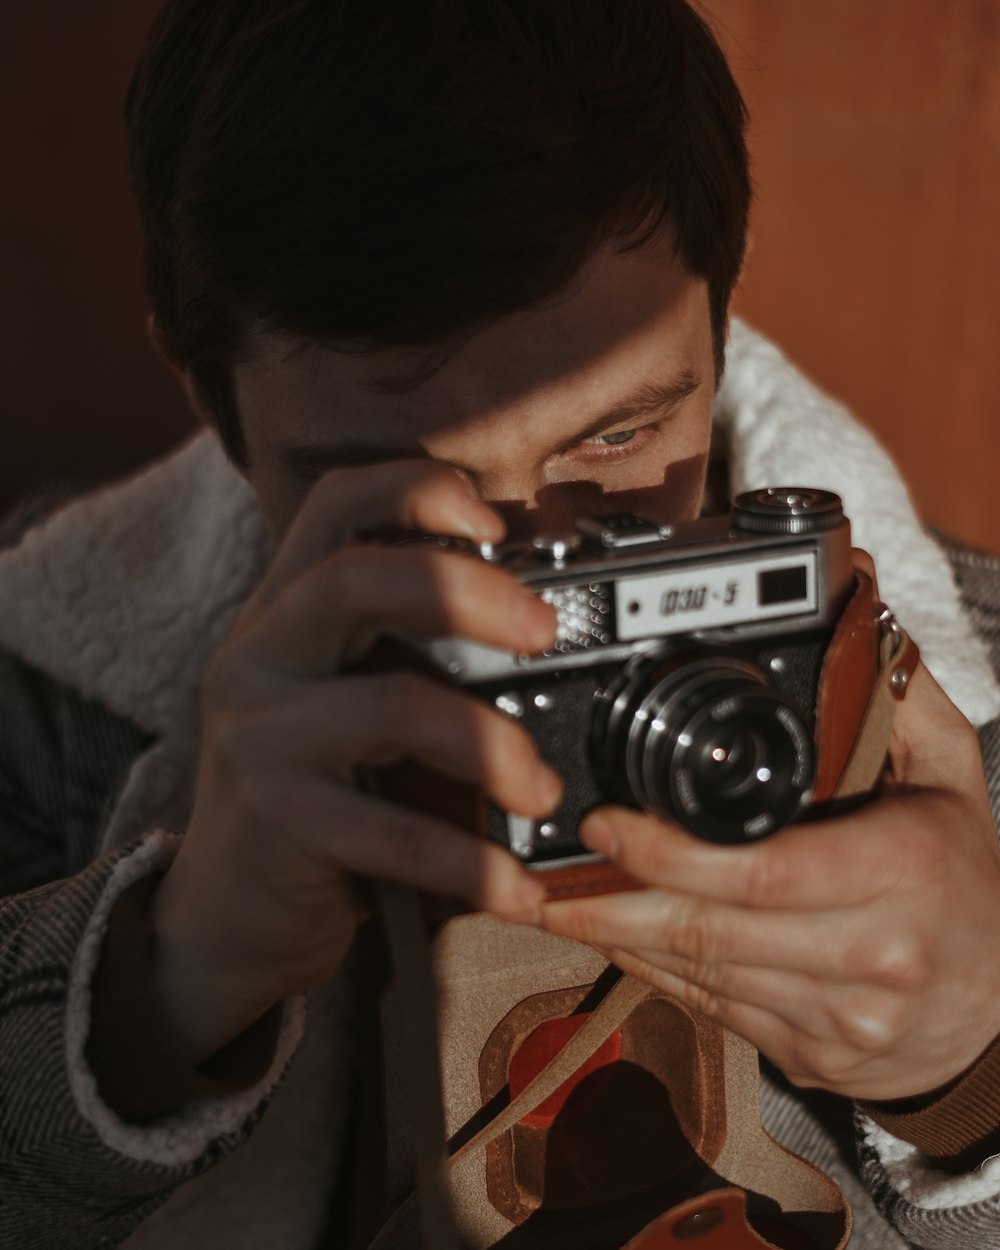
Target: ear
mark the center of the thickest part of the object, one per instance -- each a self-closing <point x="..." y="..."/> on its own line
<point x="195" y="396"/>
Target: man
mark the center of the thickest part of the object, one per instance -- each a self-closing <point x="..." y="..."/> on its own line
<point x="462" y="269"/>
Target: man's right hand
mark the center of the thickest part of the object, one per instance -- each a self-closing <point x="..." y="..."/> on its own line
<point x="260" y="903"/>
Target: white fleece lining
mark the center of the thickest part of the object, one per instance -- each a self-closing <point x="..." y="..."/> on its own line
<point x="924" y="1186"/>
<point x="783" y="430"/>
<point x="181" y="1138"/>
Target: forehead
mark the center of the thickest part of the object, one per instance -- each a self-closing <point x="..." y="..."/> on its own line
<point x="627" y="317"/>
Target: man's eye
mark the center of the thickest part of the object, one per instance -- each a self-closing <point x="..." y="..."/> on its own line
<point x="613" y="440"/>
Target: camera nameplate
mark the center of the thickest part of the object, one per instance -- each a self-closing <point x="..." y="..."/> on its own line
<point x="714" y="595"/>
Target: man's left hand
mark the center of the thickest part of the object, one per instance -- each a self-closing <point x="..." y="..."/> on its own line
<point x="860" y="954"/>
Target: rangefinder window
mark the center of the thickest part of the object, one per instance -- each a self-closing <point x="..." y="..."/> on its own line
<point x="788" y="585"/>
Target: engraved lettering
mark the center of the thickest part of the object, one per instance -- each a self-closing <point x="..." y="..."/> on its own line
<point x="687" y="599"/>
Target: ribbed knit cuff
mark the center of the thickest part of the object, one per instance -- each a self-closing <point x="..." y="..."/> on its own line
<point x="130" y="1049"/>
<point x="957" y="1127"/>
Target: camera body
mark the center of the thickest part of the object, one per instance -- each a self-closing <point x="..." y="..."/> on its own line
<point x="687" y="669"/>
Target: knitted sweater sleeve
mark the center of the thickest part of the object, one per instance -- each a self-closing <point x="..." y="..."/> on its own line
<point x="934" y="1171"/>
<point x="73" y="1173"/>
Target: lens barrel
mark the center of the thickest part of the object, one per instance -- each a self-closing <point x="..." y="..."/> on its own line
<point x="706" y="742"/>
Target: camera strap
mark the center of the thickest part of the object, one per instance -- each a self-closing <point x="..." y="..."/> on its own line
<point x="899" y="656"/>
<point x="748" y="1160"/>
<point x="413" y="969"/>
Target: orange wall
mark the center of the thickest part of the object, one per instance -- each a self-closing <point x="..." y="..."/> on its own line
<point x="876" y="248"/>
<point x="83" y="397"/>
<point x="876" y="233"/>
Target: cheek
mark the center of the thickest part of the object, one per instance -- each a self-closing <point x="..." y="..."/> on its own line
<point x="677" y="498"/>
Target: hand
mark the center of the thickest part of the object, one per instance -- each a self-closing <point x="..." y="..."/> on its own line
<point x="259" y="902"/>
<point x="860" y="954"/>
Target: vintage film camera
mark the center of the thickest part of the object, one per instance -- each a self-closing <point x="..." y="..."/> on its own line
<point x="714" y="673"/>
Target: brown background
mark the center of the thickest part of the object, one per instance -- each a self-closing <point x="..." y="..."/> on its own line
<point x="876" y="235"/>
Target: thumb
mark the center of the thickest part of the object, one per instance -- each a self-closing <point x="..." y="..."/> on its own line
<point x="932" y="744"/>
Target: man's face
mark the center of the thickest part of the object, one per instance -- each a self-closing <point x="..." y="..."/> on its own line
<point x="600" y="401"/>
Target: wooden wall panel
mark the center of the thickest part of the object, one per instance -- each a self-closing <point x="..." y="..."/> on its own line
<point x="876" y="232"/>
<point x="83" y="395"/>
<point x="876" y="135"/>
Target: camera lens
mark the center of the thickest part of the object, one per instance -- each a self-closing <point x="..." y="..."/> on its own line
<point x="705" y="742"/>
<point x="736" y="761"/>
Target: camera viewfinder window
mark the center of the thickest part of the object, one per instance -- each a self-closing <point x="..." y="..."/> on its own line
<point x="788" y="585"/>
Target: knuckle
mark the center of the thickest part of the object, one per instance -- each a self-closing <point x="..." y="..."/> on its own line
<point x="643" y="853"/>
<point x="413" y="846"/>
<point x="237" y="744"/>
<point x="798" y="1057"/>
<point x="577" y="922"/>
<point x="867" y="1032"/>
<point x="766" y="879"/>
<point x="239" y="764"/>
<point x="695" y="935"/>
<point x="801" y="1080"/>
<point x="897" y="964"/>
<point x="408" y="699"/>
<point x="342" y="570"/>
<point x="704" y="1001"/>
<point x="713" y="982"/>
<point x="469" y="579"/>
<point x="818" y="1064"/>
<point x="710" y="977"/>
<point x="427" y="477"/>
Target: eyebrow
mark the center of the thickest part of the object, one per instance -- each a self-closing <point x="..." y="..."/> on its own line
<point x="658" y="396"/>
<point x="649" y="397"/>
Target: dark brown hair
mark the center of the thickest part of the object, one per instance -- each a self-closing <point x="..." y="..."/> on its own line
<point x="379" y="172"/>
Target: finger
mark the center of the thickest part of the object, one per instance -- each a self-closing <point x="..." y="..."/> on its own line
<point x="334" y="611"/>
<point x="336" y="728"/>
<point x="770" y="1034"/>
<point x="719" y="990"/>
<point x="835" y="945"/>
<point x="855" y="1016"/>
<point x="374" y="837"/>
<point x="399" y="495"/>
<point x="832" y="863"/>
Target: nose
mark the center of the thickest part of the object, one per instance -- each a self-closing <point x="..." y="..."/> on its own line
<point x="554" y="508"/>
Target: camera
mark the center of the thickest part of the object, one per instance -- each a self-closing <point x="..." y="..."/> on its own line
<point x="690" y="671"/>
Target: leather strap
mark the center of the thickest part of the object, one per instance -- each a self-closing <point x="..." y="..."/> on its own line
<point x="414" y="972"/>
<point x="865" y="764"/>
<point x="716" y="1221"/>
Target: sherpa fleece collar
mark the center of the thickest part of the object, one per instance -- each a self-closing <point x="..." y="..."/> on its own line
<point x="127" y="593"/>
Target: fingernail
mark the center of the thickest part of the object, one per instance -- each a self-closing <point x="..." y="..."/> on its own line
<point x="599" y="834"/>
<point x="485" y="526"/>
